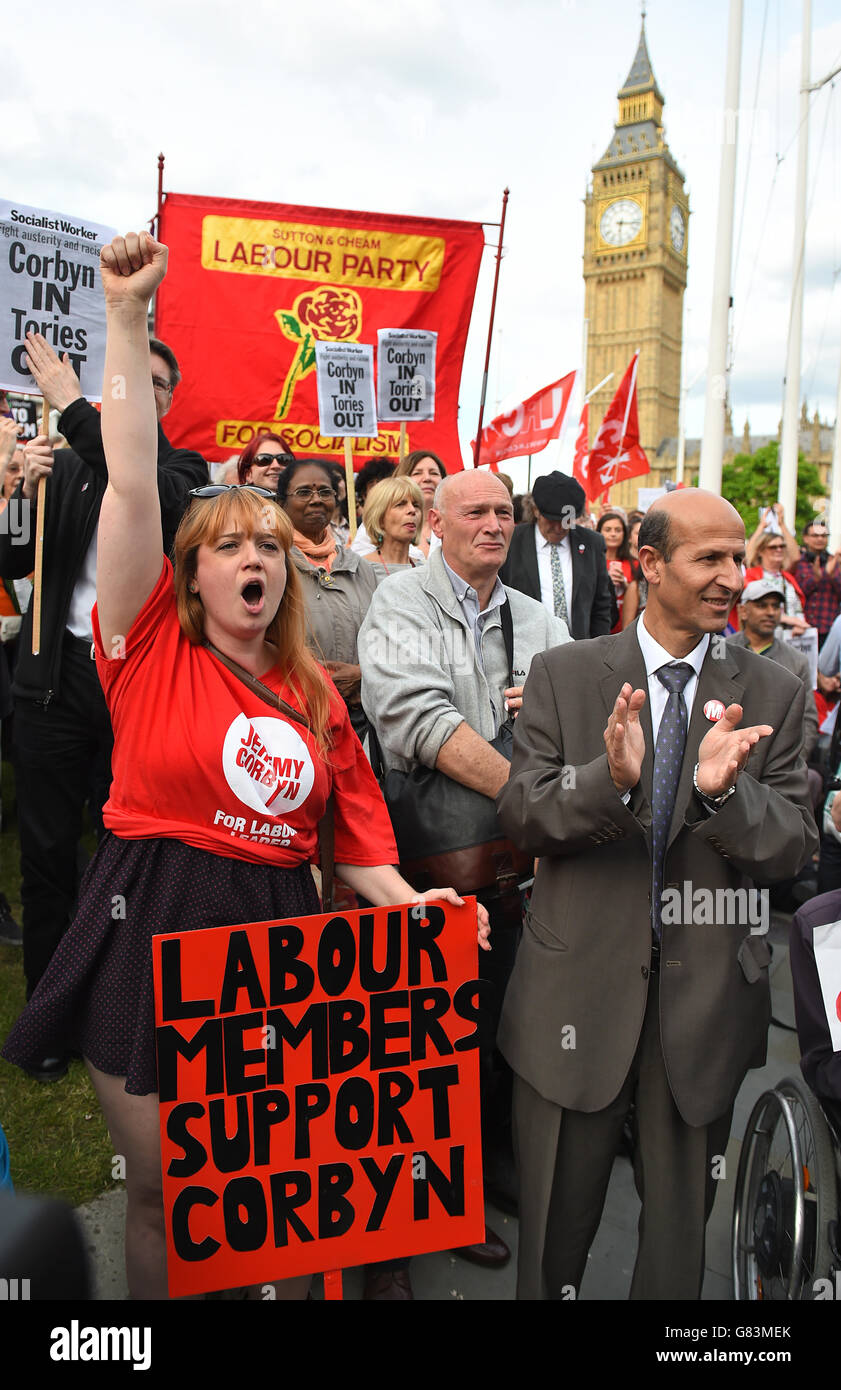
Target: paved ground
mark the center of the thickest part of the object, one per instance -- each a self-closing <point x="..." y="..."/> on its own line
<point x="444" y="1277"/>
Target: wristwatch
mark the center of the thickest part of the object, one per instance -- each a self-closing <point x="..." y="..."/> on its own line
<point x="714" y="802"/>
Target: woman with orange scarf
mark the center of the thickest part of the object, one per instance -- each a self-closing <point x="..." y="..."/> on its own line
<point x="338" y="585"/>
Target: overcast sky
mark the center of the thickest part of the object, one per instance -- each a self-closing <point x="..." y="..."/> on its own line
<point x="432" y="107"/>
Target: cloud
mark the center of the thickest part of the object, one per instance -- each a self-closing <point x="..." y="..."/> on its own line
<point x="431" y="107"/>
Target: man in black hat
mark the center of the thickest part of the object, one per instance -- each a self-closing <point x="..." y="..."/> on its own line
<point x="561" y="564"/>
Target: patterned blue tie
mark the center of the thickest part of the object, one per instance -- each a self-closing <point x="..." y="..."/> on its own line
<point x="668" y="761"/>
<point x="559" y="597"/>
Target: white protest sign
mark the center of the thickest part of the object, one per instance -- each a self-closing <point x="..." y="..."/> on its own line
<point x="647" y="495"/>
<point x="807" y="643"/>
<point x="345" y="380"/>
<point x="827" y="943"/>
<point x="49" y="284"/>
<point x="406" y="374"/>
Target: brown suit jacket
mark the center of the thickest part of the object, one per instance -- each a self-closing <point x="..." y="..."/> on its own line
<point x="575" y="1002"/>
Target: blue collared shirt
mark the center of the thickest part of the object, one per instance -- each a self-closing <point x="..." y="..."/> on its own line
<point x="469" y="601"/>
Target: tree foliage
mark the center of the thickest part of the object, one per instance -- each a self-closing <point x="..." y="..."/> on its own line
<point x="751" y="481"/>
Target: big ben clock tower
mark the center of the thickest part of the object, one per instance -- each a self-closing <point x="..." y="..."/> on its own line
<point x="635" y="245"/>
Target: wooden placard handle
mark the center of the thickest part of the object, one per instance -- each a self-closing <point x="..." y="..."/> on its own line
<point x="39" y="542"/>
<point x="351" y="487"/>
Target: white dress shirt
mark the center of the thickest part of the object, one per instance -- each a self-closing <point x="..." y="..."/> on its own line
<point x="84" y="594"/>
<point x="656" y="656"/>
<point x="544" y="570"/>
<point x="363" y="545"/>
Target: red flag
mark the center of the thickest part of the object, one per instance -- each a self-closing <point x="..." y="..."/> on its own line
<point x="616" y="453"/>
<point x="528" y="428"/>
<point x="581" y="461"/>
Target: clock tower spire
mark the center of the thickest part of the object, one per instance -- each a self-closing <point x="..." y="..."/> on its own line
<point x="635" y="246"/>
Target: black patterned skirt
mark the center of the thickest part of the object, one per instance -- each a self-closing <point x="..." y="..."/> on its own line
<point x="96" y="996"/>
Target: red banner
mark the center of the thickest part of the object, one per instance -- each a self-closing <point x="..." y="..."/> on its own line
<point x="616" y="453"/>
<point x="252" y="287"/>
<point x="319" y="1093"/>
<point x="529" y="427"/>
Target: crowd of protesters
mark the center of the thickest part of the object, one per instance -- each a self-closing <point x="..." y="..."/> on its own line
<point x="291" y="597"/>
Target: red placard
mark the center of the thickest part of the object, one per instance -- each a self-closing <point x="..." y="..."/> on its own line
<point x="250" y="289"/>
<point x="319" y="1093"/>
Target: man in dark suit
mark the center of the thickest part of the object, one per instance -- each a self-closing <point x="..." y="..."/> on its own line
<point x="560" y="564"/>
<point x="642" y="972"/>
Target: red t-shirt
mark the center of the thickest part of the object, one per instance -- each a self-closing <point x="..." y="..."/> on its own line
<point x="199" y="758"/>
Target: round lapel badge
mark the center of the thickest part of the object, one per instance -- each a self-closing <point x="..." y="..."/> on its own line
<point x="714" y="710"/>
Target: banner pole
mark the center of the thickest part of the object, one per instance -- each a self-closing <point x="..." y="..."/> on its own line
<point x="351" y="487"/>
<point x="39" y="542"/>
<point x="403" y="448"/>
<point x="605" y="379"/>
<point x="155" y="229"/>
<point x="155" y="222"/>
<point x="477" y="446"/>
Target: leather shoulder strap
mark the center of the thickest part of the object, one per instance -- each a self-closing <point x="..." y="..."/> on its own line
<point x="507" y="622"/>
<point x="326" y="826"/>
<point x="257" y="687"/>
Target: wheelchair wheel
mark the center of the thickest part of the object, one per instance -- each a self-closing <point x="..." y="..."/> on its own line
<point x="786" y="1197"/>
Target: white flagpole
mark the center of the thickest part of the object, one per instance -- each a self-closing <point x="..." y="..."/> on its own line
<point x="789" y="446"/>
<point x="712" y="444"/>
<point x="835" y="478"/>
<point x="590" y="394"/>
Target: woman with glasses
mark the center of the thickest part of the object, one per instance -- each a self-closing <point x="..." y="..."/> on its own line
<point x="183" y="659"/>
<point x="770" y="551"/>
<point x="337" y="584"/>
<point x="263" y="460"/>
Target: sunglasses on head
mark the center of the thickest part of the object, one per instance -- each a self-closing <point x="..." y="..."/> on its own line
<point x="217" y="489"/>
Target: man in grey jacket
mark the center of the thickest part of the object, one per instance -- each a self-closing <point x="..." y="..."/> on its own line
<point x="435" y="684"/>
<point x="434" y="667"/>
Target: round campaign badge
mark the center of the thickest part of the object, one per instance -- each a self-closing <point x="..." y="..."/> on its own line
<point x="267" y="764"/>
<point x="714" y="710"/>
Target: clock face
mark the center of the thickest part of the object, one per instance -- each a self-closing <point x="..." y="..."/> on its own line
<point x="621" y="222"/>
<point x="677" y="228"/>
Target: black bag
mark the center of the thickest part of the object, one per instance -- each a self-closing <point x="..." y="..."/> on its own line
<point x="449" y="835"/>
